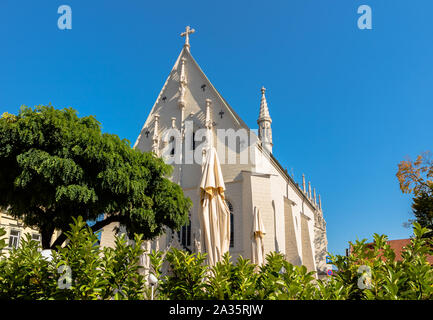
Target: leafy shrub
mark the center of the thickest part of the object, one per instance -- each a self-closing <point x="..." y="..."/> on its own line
<point x="25" y="274"/>
<point x="94" y="273"/>
<point x="186" y="276"/>
<point x="411" y="278"/>
<point x="370" y="272"/>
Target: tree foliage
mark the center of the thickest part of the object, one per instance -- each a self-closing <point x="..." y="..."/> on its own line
<point x="423" y="210"/>
<point x="56" y="166"/>
<point x="416" y="176"/>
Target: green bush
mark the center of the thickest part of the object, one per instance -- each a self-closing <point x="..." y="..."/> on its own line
<point x="95" y="273"/>
<point x="411" y="278"/>
<point x="370" y="272"/>
<point x="25" y="274"/>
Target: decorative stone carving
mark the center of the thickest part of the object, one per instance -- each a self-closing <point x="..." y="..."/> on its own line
<point x="175" y="241"/>
<point x="155" y="135"/>
<point x="197" y="241"/>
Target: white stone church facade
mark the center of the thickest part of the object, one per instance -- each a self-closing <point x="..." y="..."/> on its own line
<point x="292" y="216"/>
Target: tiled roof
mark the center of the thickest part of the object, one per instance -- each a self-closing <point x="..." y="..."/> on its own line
<point x="397" y="246"/>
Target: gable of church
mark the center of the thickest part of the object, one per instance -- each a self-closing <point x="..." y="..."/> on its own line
<point x="197" y="90"/>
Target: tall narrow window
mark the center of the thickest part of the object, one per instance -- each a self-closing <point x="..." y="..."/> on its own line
<point x="193" y="141"/>
<point x="173" y="146"/>
<point x="184" y="235"/>
<point x="14" y="239"/>
<point x="232" y="228"/>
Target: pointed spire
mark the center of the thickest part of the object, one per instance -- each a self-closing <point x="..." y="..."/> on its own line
<point x="320" y="203"/>
<point x="303" y="183"/>
<point x="264" y="121"/>
<point x="264" y="111"/>
<point x="314" y="191"/>
<point x="309" y="189"/>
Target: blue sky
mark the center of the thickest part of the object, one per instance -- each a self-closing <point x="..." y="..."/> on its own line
<point x="347" y="104"/>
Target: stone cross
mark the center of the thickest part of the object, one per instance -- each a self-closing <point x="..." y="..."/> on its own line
<point x="186" y="34"/>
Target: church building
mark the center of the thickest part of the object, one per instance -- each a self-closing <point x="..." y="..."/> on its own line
<point x="189" y="105"/>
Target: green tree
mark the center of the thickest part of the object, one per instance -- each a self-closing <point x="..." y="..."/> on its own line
<point x="56" y="166"/>
<point x="423" y="210"/>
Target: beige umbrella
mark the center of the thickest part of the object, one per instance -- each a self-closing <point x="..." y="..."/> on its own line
<point x="215" y="214"/>
<point x="258" y="252"/>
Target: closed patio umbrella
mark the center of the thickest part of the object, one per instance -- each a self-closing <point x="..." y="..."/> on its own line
<point x="258" y="251"/>
<point x="214" y="212"/>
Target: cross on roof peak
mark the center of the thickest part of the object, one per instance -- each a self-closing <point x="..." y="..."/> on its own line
<point x="186" y="34"/>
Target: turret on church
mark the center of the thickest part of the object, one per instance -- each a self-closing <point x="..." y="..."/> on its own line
<point x="264" y="121"/>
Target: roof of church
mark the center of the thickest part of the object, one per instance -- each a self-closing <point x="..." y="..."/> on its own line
<point x="232" y="111"/>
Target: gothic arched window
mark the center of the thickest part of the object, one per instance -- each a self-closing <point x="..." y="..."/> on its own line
<point x="232" y="229"/>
